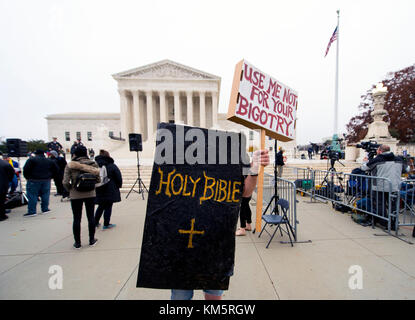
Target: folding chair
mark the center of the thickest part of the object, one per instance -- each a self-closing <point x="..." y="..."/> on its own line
<point x="278" y="220"/>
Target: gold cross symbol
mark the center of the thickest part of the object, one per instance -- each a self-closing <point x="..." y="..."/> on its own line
<point x="192" y="231"/>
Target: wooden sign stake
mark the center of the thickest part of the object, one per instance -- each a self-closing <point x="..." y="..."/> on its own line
<point x="260" y="185"/>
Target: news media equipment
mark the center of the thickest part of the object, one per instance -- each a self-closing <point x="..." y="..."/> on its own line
<point x="370" y="147"/>
<point x="333" y="156"/>
<point x="136" y="145"/>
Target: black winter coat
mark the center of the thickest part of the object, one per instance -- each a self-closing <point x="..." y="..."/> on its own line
<point x="109" y="192"/>
<point x="280" y="159"/>
<point x="61" y="164"/>
<point x="6" y="176"/>
<point x="40" y="168"/>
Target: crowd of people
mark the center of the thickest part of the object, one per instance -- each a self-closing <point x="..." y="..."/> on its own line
<point x="85" y="181"/>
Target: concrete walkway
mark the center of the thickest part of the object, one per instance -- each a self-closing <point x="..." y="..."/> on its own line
<point x="316" y="270"/>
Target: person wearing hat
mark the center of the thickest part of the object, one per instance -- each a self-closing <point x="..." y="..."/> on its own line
<point x="38" y="171"/>
<point x="61" y="164"/>
<point x="81" y="164"/>
<point x="279" y="161"/>
<point x="54" y="145"/>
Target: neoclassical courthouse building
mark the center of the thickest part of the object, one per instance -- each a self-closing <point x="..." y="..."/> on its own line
<point x="164" y="91"/>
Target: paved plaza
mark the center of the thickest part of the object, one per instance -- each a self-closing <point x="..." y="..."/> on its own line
<point x="316" y="270"/>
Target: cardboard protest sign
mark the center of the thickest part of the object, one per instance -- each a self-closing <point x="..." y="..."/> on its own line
<point x="259" y="101"/>
<point x="192" y="210"/>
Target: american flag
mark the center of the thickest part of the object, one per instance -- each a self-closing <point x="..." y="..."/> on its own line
<point x="332" y="39"/>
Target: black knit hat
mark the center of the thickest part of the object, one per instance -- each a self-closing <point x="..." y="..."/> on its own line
<point x="39" y="152"/>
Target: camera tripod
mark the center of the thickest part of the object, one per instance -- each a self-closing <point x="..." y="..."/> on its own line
<point x="332" y="173"/>
<point x="141" y="185"/>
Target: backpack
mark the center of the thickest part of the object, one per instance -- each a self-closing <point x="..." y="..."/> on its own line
<point x="340" y="207"/>
<point x="85" y="182"/>
<point x="104" y="177"/>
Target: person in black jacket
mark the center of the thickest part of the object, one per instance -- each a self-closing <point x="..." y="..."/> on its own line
<point x="54" y="145"/>
<point x="109" y="192"/>
<point x="38" y="171"/>
<point x="279" y="161"/>
<point x="6" y="176"/>
<point x="61" y="164"/>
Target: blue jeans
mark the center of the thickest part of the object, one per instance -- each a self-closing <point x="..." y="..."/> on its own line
<point x="13" y="184"/>
<point x="34" y="189"/>
<point x="177" y="294"/>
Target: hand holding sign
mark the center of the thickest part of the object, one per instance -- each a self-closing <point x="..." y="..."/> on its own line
<point x="259" y="158"/>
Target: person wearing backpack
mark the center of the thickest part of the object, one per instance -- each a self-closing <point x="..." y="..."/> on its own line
<point x="81" y="175"/>
<point x="108" y="190"/>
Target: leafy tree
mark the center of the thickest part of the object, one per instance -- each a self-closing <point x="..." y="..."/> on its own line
<point x="33" y="145"/>
<point x="3" y="147"/>
<point x="399" y="103"/>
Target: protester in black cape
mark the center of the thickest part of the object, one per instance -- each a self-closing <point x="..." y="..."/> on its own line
<point x="80" y="164"/>
<point x="6" y="176"/>
<point x="38" y="171"/>
<point x="61" y="164"/>
<point x="109" y="192"/>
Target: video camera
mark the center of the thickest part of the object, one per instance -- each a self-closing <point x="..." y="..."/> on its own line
<point x="334" y="155"/>
<point x="370" y="147"/>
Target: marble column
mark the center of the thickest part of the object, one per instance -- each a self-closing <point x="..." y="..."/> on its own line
<point x="163" y="111"/>
<point x="136" y="112"/>
<point x="150" y="123"/>
<point x="123" y="113"/>
<point x="189" y="96"/>
<point x="177" y="109"/>
<point x="214" y="109"/>
<point x="202" y="109"/>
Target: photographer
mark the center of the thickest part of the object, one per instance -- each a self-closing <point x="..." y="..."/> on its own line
<point x="384" y="165"/>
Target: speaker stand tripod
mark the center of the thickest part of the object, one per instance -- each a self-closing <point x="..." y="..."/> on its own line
<point x="141" y="185"/>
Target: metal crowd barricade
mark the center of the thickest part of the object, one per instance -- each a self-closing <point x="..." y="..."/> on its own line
<point x="372" y="195"/>
<point x="406" y="205"/>
<point x="362" y="193"/>
<point x="328" y="185"/>
<point x="304" y="180"/>
<point x="366" y="194"/>
<point x="285" y="190"/>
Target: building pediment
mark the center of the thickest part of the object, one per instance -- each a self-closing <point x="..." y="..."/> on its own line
<point x="165" y="69"/>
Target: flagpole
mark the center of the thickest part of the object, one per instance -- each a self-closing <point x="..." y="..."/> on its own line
<point x="335" y="141"/>
<point x="336" y="94"/>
